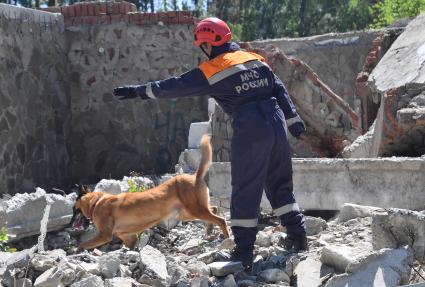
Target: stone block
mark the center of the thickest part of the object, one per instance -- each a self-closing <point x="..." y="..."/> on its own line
<point x="24" y="212"/>
<point x="155" y="266"/>
<point x="340" y="256"/>
<point x="386" y="267"/>
<point x="397" y="227"/>
<point x="196" y="131"/>
<point x="349" y="211"/>
<point x="225" y="268"/>
<point x="315" y="225"/>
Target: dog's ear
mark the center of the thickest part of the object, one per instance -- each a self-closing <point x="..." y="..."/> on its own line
<point x="86" y="189"/>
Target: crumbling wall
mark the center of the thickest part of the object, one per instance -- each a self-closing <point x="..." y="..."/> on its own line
<point x="397" y="87"/>
<point x="59" y="122"/>
<point x="34" y="100"/>
<point x="111" y="137"/>
<point x="336" y="58"/>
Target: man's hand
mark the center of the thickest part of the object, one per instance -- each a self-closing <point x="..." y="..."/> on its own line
<point x="126" y="92"/>
<point x="297" y="129"/>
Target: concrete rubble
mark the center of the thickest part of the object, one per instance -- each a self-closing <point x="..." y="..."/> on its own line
<point x="395" y="96"/>
<point x="348" y="249"/>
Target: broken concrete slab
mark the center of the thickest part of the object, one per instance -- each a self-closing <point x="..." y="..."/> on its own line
<point x="153" y="262"/>
<point x="399" y="127"/>
<point x="349" y="211"/>
<point x="196" y="131"/>
<point x="404" y="61"/>
<point x="340" y="256"/>
<point x="386" y="267"/>
<point x="314" y="225"/>
<point x="188" y="161"/>
<point x="24" y="212"/>
<point x="397" y="227"/>
<point x="311" y="272"/>
<point x="329" y="183"/>
<point x="225" y="268"/>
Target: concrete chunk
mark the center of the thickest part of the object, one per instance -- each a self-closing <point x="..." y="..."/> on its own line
<point x="225" y="268"/>
<point x="387" y="267"/>
<point x="196" y="131"/>
<point x="350" y="211"/>
<point x="25" y="210"/>
<point x="340" y="256"/>
<point x="397" y="227"/>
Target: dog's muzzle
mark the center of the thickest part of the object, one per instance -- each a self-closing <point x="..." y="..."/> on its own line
<point x="77" y="221"/>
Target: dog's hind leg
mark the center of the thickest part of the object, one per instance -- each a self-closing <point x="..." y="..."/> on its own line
<point x="214" y="209"/>
<point x="129" y="239"/>
<point x="208" y="216"/>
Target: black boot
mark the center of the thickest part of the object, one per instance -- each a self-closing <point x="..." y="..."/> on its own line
<point x="245" y="256"/>
<point x="297" y="242"/>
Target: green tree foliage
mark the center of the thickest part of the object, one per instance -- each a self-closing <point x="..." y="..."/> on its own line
<point x="389" y="11"/>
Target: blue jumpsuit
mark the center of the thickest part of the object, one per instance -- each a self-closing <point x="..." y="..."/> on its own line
<point x="247" y="89"/>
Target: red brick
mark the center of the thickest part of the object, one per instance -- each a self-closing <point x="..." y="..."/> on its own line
<point x="125" y="18"/>
<point x="90" y="10"/>
<point x="71" y="11"/>
<point x="116" y="8"/>
<point x="144" y="18"/>
<point x="103" y="8"/>
<point x="133" y="18"/>
<point x="77" y="9"/>
<point x="172" y="14"/>
<point x="153" y="18"/>
<point x="185" y="17"/>
<point x="65" y="11"/>
<point x="51" y="9"/>
<point x="91" y="80"/>
<point x="132" y="7"/>
<point x="105" y="19"/>
<point x="122" y="8"/>
<point x="84" y="10"/>
<point x="115" y="18"/>
<point x="162" y="16"/>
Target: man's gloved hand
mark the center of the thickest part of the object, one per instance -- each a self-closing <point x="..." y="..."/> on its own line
<point x="125" y="92"/>
<point x="296" y="129"/>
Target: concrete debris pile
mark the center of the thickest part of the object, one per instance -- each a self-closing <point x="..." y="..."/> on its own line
<point x="363" y="246"/>
<point x="397" y="97"/>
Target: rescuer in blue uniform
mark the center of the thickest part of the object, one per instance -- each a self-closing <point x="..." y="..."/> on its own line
<point x="247" y="89"/>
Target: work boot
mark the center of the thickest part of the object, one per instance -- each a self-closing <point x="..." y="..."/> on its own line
<point x="246" y="257"/>
<point x="297" y="242"/>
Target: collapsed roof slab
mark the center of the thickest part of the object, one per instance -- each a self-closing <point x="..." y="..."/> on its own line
<point x="404" y="62"/>
<point x="398" y="88"/>
<point x="326" y="184"/>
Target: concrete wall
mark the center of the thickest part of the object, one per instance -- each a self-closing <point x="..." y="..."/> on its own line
<point x="34" y="100"/>
<point x="336" y="58"/>
<point x="111" y="137"/>
<point x="59" y="122"/>
<point x="326" y="184"/>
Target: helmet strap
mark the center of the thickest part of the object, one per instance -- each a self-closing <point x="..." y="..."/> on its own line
<point x="202" y="48"/>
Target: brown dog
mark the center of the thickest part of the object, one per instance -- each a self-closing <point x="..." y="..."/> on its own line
<point x="127" y="214"/>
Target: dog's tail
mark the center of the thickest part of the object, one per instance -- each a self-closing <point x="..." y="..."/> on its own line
<point x="206" y="156"/>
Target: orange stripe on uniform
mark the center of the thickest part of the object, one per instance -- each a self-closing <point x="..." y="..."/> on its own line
<point x="226" y="60"/>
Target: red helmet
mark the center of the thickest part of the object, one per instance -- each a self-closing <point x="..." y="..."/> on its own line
<point x="212" y="30"/>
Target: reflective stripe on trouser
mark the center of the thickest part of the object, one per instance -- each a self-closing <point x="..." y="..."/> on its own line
<point x="260" y="157"/>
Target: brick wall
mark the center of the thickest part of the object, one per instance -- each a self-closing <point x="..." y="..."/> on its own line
<point x="110" y="12"/>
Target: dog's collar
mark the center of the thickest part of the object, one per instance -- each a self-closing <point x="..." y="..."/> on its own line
<point x="91" y="210"/>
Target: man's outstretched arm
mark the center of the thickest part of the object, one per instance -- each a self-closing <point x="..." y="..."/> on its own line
<point x="189" y="84"/>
